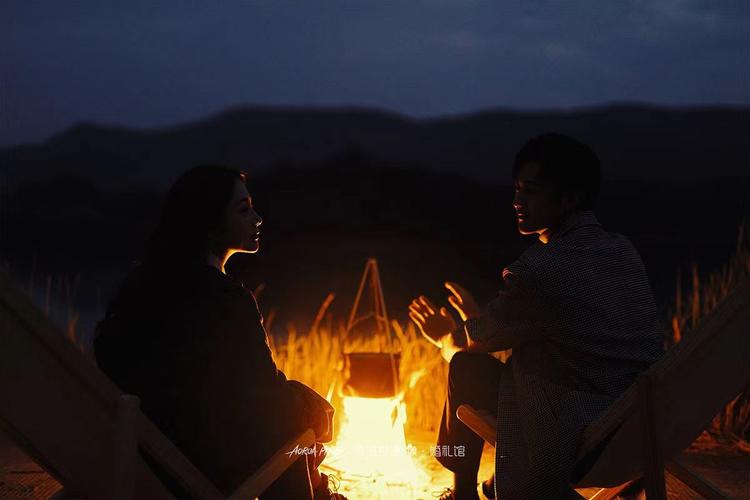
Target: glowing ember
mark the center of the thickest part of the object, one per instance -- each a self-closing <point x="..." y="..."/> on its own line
<point x="371" y="441"/>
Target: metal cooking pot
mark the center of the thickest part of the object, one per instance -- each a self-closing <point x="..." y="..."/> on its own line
<point x="371" y="374"/>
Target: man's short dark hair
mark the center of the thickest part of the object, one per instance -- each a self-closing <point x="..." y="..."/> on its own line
<point x="564" y="162"/>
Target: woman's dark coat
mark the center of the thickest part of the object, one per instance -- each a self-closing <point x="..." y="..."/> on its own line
<point x="191" y="344"/>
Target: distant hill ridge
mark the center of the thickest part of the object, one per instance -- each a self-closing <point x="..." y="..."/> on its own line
<point x="635" y="141"/>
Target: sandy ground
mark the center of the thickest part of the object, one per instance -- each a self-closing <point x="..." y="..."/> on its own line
<point x="728" y="468"/>
<point x="433" y="478"/>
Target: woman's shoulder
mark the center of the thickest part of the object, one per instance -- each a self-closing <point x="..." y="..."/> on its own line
<point x="150" y="289"/>
<point x="180" y="294"/>
<point x="186" y="279"/>
<point x="221" y="285"/>
<point x="221" y="292"/>
<point x="219" y="308"/>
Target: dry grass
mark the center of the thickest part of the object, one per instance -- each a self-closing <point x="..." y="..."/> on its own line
<point x="315" y="358"/>
<point x="698" y="299"/>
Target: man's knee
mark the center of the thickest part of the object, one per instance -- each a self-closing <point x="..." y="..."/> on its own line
<point x="459" y="361"/>
<point x="463" y="366"/>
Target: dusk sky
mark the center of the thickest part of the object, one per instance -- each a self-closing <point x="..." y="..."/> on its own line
<point x="145" y="64"/>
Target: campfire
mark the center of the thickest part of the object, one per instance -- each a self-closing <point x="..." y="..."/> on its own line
<point x="388" y="387"/>
<point x="371" y="442"/>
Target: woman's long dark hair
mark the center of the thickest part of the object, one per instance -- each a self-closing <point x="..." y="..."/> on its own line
<point x="193" y="207"/>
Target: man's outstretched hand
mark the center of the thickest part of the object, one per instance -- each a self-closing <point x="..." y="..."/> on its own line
<point x="462" y="301"/>
<point x="434" y="323"/>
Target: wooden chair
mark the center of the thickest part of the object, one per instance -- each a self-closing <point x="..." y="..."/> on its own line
<point x="665" y="410"/>
<point x="72" y="420"/>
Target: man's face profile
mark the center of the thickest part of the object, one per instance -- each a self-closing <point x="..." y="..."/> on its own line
<point x="539" y="207"/>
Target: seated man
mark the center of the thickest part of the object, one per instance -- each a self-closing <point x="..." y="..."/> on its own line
<point x="578" y="313"/>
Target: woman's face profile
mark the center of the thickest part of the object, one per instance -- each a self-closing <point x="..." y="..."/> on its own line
<point x="241" y="231"/>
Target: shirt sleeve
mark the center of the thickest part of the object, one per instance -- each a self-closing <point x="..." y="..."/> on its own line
<point x="514" y="317"/>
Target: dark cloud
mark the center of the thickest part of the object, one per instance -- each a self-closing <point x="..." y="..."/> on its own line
<point x="153" y="63"/>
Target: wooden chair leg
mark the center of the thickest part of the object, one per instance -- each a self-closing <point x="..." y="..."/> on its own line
<point x="125" y="448"/>
<point x="610" y="493"/>
<point x="697" y="483"/>
<point x="653" y="463"/>
<point x="274" y="467"/>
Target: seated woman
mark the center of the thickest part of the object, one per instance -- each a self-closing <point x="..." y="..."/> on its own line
<point x="189" y="341"/>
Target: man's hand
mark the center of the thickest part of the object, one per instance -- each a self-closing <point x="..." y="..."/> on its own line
<point x="462" y="301"/>
<point x="434" y="323"/>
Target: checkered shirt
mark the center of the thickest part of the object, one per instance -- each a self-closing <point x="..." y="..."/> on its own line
<point x="579" y="315"/>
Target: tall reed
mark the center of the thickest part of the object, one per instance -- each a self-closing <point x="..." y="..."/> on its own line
<point x="696" y="300"/>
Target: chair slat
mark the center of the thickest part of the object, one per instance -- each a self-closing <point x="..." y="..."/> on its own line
<point x="274" y="467"/>
<point x="691" y="383"/>
<point x="482" y="425"/>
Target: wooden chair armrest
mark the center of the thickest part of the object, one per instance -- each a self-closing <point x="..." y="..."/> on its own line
<point x="273" y="467"/>
<point x="481" y="422"/>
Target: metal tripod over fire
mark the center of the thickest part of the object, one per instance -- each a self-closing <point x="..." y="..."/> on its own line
<point x="371" y="374"/>
<point x="374" y="412"/>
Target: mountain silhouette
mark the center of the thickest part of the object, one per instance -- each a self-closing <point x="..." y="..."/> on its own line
<point x="634" y="141"/>
<point x="430" y="198"/>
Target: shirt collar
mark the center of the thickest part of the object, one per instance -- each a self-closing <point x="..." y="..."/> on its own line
<point x="574" y="221"/>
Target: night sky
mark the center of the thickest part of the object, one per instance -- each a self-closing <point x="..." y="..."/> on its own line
<point x="144" y="64"/>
